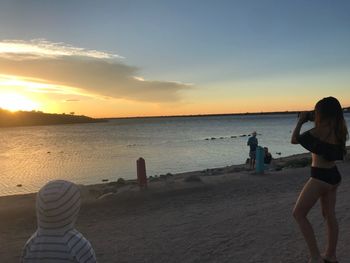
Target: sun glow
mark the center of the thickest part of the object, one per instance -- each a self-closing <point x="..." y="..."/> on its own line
<point x="16" y="102"/>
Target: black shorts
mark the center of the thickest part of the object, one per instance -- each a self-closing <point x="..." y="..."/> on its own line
<point x="252" y="154"/>
<point x="327" y="175"/>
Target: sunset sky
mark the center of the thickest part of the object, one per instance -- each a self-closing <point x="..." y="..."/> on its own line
<point x="146" y="58"/>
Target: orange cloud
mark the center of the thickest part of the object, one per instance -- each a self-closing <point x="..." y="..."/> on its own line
<point x="90" y="71"/>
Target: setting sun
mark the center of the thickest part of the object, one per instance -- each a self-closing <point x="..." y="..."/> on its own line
<point x="15" y="102"/>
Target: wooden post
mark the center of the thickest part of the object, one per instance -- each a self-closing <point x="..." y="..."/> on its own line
<point x="141" y="173"/>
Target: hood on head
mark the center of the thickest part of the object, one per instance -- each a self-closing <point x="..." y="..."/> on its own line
<point x="57" y="206"/>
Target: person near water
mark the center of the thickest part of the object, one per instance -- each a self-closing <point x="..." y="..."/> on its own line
<point x="267" y="158"/>
<point x="253" y="144"/>
<point x="326" y="142"/>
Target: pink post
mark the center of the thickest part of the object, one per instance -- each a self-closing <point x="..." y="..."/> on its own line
<point x="141" y="173"/>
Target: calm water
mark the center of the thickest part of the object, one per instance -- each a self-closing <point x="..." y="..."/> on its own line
<point x="88" y="153"/>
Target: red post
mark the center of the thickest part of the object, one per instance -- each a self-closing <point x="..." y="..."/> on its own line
<point x="141" y="173"/>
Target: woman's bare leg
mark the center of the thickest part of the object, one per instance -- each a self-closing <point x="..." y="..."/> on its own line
<point x="311" y="192"/>
<point x="328" y="201"/>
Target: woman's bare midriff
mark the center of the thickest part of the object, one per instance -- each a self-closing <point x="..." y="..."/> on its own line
<point x="320" y="162"/>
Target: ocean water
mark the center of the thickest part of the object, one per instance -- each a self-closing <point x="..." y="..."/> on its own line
<point x="89" y="153"/>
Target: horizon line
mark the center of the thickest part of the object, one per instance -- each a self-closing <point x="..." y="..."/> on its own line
<point x="345" y="109"/>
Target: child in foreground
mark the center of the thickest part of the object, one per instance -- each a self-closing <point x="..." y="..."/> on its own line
<point x="56" y="239"/>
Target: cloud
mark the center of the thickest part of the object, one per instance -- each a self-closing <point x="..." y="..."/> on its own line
<point x="71" y="100"/>
<point x="42" y="48"/>
<point x="88" y="70"/>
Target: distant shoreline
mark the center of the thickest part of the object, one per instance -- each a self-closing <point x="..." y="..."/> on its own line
<point x="346" y="110"/>
<point x="37" y="118"/>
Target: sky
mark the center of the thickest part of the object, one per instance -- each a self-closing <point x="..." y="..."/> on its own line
<point x="156" y="58"/>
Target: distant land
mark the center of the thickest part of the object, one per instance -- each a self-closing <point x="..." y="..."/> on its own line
<point x="36" y="118"/>
<point x="346" y="110"/>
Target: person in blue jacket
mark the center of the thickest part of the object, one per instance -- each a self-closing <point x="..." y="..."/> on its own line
<point x="253" y="144"/>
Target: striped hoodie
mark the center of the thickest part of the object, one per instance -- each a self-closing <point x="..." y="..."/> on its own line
<point x="56" y="240"/>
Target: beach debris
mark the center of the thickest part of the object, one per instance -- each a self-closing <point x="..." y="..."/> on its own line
<point x="192" y="178"/>
<point x="121" y="181"/>
<point x="105" y="180"/>
<point x="212" y="138"/>
<point x="154" y="178"/>
<point x="233" y="136"/>
<point x="207" y="139"/>
<point x="222" y="138"/>
<point x="48" y="152"/>
<point x="278" y="167"/>
<point x="217" y="171"/>
<point x="19" y="185"/>
<point x="106" y="195"/>
<point x="243" y="135"/>
<point x="278" y="153"/>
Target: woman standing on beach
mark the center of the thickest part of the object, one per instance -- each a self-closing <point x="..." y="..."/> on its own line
<point x="326" y="142"/>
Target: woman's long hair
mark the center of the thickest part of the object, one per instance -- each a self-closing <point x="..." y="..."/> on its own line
<point x="329" y="109"/>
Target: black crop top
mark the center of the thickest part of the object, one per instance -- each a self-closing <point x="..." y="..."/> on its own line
<point x="328" y="151"/>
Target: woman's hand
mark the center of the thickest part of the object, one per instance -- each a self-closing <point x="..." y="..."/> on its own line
<point x="303" y="117"/>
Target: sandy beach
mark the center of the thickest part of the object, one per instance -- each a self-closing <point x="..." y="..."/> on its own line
<point x="218" y="215"/>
